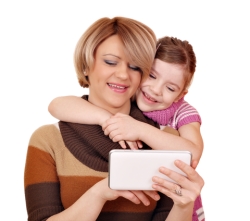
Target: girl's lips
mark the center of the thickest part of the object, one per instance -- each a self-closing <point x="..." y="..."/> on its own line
<point x="148" y="98"/>
<point x="117" y="87"/>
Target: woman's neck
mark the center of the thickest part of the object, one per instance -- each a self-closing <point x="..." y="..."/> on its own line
<point x="113" y="109"/>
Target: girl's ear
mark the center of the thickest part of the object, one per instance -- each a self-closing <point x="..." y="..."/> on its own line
<point x="182" y="94"/>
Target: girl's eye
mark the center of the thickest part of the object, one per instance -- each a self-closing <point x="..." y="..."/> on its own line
<point x="171" y="89"/>
<point x="135" y="68"/>
<point x="152" y="76"/>
<point x="112" y="63"/>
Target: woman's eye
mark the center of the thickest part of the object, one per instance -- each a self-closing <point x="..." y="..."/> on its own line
<point x="135" y="68"/>
<point x="110" y="62"/>
<point x="152" y="76"/>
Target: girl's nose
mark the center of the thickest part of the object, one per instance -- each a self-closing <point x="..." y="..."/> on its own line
<point x="156" y="89"/>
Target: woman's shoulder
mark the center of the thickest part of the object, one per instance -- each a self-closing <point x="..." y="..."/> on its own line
<point x="46" y="137"/>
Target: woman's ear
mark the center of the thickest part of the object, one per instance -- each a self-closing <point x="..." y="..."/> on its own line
<point x="182" y="94"/>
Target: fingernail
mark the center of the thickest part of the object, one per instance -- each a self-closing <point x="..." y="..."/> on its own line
<point x="178" y="162"/>
<point x="157" y="197"/>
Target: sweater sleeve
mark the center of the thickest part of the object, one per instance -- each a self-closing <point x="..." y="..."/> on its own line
<point x="41" y="183"/>
<point x="185" y="114"/>
<point x="164" y="206"/>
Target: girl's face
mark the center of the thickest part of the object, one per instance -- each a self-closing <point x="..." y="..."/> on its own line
<point x="163" y="87"/>
<point x="113" y="79"/>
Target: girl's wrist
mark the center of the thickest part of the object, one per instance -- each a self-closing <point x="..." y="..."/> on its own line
<point x="103" y="117"/>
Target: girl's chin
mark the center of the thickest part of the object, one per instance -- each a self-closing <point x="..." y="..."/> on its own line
<point x="145" y="108"/>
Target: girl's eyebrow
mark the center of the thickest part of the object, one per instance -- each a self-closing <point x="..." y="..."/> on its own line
<point x="152" y="69"/>
<point x="175" y="84"/>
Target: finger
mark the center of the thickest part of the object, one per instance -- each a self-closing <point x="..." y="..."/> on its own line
<point x="129" y="195"/>
<point x="164" y="183"/>
<point x="153" y="194"/>
<point x="110" y="129"/>
<point x="107" y="123"/>
<point x="142" y="197"/>
<point x="164" y="189"/>
<point x="139" y="144"/>
<point x="192" y="175"/>
<point x="194" y="164"/>
<point x="169" y="189"/>
<point x="174" y="176"/>
<point x="132" y="145"/>
<point x="192" y="181"/>
<point x="180" y="200"/>
<point x="115" y="137"/>
<point x="122" y="144"/>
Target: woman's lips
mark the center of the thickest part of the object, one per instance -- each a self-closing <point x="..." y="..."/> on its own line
<point x="117" y="87"/>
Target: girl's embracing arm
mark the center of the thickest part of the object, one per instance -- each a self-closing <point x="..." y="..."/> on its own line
<point x="77" y="110"/>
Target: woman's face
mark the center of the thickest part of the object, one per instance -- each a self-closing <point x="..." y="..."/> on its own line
<point x="113" y="79"/>
<point x="163" y="87"/>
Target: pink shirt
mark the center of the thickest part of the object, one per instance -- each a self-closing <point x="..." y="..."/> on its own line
<point x="177" y="115"/>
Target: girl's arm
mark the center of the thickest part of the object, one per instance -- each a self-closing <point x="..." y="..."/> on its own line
<point x="192" y="133"/>
<point x="123" y="127"/>
<point x="171" y="131"/>
<point x="77" y="110"/>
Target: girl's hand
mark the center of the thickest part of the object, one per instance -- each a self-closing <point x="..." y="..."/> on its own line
<point x="187" y="189"/>
<point x="134" y="145"/>
<point x="123" y="128"/>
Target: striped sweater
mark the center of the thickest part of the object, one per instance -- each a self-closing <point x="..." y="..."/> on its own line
<point x="177" y="115"/>
<point x="64" y="160"/>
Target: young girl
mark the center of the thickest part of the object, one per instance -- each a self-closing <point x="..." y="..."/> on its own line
<point x="160" y="97"/>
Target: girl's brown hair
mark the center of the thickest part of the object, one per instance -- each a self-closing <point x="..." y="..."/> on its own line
<point x="175" y="51"/>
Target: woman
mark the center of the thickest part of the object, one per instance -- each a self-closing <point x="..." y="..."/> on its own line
<point x="67" y="164"/>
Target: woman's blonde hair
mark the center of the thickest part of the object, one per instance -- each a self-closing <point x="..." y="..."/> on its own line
<point x="139" y="41"/>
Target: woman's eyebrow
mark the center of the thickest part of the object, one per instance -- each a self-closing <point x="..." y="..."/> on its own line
<point x="112" y="55"/>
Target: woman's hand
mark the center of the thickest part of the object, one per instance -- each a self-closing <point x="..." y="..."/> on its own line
<point x="187" y="189"/>
<point x="102" y="191"/>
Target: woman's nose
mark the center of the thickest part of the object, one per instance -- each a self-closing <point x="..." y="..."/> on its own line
<point x="122" y="72"/>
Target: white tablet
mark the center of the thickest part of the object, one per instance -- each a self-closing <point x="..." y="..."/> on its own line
<point x="134" y="169"/>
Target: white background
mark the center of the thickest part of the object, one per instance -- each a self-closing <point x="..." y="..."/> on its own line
<point x="37" y="40"/>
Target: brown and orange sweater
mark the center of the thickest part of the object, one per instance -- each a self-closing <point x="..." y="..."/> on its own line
<point x="64" y="160"/>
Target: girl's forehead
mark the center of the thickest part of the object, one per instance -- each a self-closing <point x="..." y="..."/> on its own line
<point x="165" y="68"/>
<point x="169" y="73"/>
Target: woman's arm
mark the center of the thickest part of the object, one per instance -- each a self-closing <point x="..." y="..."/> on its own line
<point x="77" y="110"/>
<point x="42" y="186"/>
<point x="123" y="127"/>
<point x="89" y="205"/>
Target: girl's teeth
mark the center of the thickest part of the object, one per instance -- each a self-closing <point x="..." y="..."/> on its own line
<point x="149" y="97"/>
